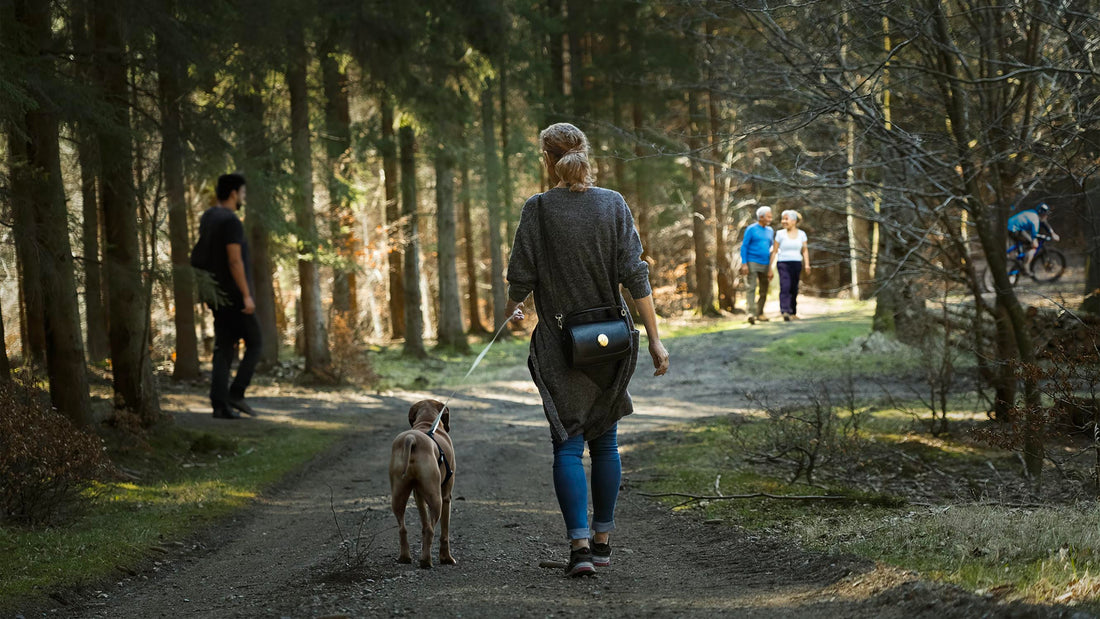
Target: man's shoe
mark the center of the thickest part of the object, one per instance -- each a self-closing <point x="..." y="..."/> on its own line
<point x="762" y="318"/>
<point x="580" y="563"/>
<point x="601" y="554"/>
<point x="786" y="317"/>
<point x="224" y="412"/>
<point x="241" y="405"/>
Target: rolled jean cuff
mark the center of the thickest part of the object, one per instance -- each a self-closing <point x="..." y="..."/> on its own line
<point x="603" y="527"/>
<point x="578" y="534"/>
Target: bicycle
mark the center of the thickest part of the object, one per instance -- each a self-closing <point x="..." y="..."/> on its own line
<point x="1048" y="265"/>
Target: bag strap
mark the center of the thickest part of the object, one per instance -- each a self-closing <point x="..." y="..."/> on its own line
<point x="543" y="246"/>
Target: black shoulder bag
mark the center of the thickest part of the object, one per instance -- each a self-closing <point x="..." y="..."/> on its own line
<point x="592" y="336"/>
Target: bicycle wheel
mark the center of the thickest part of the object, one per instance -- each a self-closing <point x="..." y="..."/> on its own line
<point x="1048" y="265"/>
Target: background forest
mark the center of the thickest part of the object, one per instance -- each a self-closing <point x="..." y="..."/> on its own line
<point x="389" y="147"/>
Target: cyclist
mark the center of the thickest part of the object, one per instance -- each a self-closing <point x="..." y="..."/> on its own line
<point x="1024" y="228"/>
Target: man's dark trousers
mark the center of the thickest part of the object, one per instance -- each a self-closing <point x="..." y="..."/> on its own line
<point x="231" y="326"/>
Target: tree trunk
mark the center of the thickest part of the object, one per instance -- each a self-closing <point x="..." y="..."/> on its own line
<point x="727" y="285"/>
<point x="469" y="232"/>
<point x="33" y="329"/>
<point x="132" y="369"/>
<point x="508" y="208"/>
<point x="1091" y="199"/>
<point x="318" y="358"/>
<point x="492" y="202"/>
<point x="414" y="317"/>
<point x="641" y="184"/>
<point x="337" y="139"/>
<point x="97" y="347"/>
<point x="5" y="364"/>
<point x="37" y="158"/>
<point x="261" y="210"/>
<point x="396" y="253"/>
<point x="451" y="334"/>
<point x="555" y="87"/>
<point x="183" y="284"/>
<point x="702" y="221"/>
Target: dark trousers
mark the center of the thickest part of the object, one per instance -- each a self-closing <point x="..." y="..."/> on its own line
<point x="230" y="327"/>
<point x="789" y="273"/>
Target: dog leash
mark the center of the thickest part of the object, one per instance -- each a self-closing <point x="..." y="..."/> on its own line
<point x="477" y="362"/>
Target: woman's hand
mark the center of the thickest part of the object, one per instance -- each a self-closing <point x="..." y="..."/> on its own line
<point x="515" y="311"/>
<point x="660" y="357"/>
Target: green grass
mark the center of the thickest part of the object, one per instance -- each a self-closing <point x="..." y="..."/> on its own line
<point x="187" y="479"/>
<point x="1041" y="553"/>
<point x="446" y="368"/>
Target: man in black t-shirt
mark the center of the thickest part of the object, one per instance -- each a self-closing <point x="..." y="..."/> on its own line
<point x="222" y="240"/>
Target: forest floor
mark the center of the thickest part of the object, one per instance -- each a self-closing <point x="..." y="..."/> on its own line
<point x="324" y="542"/>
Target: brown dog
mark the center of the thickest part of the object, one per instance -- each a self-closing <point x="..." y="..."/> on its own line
<point x="424" y="467"/>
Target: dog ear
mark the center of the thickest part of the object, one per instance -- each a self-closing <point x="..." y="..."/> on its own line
<point x="414" y="411"/>
<point x="447" y="420"/>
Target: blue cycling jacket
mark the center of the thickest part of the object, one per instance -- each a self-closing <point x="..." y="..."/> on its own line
<point x="1024" y="221"/>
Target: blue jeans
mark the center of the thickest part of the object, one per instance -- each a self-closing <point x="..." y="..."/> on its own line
<point x="572" y="488"/>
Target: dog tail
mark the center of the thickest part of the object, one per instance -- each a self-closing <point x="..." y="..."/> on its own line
<point x="407" y="455"/>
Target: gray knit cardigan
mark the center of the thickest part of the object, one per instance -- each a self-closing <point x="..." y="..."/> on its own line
<point x="589" y="235"/>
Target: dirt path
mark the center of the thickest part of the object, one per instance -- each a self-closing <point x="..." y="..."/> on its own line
<point x="283" y="557"/>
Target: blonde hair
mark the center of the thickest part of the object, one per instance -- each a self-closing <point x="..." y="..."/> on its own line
<point x="567" y="147"/>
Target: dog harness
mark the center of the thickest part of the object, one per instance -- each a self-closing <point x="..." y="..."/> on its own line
<point x="442" y="458"/>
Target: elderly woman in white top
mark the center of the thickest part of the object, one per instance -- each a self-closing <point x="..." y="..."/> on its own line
<point x="791" y="257"/>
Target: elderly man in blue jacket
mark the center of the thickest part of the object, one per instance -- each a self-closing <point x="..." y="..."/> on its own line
<point x="756" y="250"/>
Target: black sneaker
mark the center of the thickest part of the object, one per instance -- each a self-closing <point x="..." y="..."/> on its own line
<point x="224" y="412"/>
<point x="580" y="563"/>
<point x="241" y="405"/>
<point x="601" y="554"/>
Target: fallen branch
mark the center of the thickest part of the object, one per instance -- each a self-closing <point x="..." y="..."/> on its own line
<point x="755" y="495"/>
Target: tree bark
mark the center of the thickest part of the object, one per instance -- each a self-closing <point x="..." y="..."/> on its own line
<point x="396" y="254"/>
<point x="5" y="363"/>
<point x="337" y="138"/>
<point x="261" y="210"/>
<point x="318" y="358"/>
<point x="1091" y="199"/>
<point x="132" y="369"/>
<point x="451" y="334"/>
<point x="37" y="158"/>
<point x="33" y="328"/>
<point x="727" y="285"/>
<point x="414" y="317"/>
<point x="555" y="86"/>
<point x="97" y="347"/>
<point x="183" y="285"/>
<point x="469" y="232"/>
<point x="492" y="202"/>
<point x="507" y="206"/>
<point x="702" y="221"/>
<point x="641" y="183"/>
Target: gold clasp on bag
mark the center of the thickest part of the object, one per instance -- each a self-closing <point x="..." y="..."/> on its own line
<point x="602" y="339"/>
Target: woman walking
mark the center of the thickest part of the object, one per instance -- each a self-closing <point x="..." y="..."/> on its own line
<point x="791" y="257"/>
<point x="575" y="244"/>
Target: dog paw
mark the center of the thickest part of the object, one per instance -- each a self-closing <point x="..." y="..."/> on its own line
<point x="448" y="561"/>
<point x="426" y="564"/>
<point x="404" y="559"/>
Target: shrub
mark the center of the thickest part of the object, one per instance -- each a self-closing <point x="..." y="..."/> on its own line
<point x="46" y="463"/>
